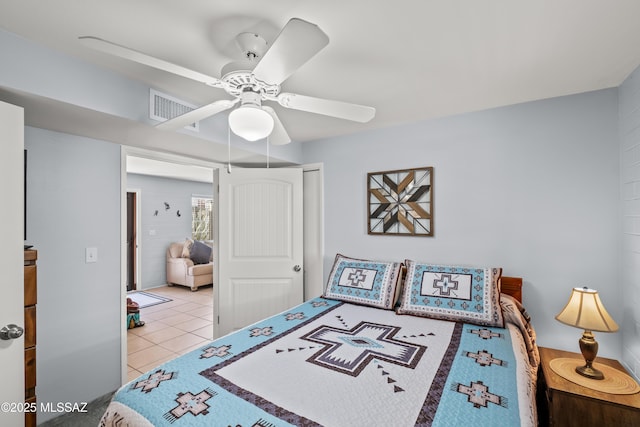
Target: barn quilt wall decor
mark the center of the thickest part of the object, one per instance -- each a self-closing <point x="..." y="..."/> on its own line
<point x="400" y="202"/>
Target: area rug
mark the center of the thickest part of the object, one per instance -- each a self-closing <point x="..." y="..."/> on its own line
<point x="146" y="299"/>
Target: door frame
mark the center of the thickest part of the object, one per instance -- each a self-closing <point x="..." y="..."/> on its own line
<point x="125" y="151"/>
<point x="313" y="214"/>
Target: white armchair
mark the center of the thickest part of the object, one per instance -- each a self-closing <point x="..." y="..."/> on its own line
<point x="182" y="271"/>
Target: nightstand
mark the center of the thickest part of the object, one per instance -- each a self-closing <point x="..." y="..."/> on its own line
<point x="564" y="403"/>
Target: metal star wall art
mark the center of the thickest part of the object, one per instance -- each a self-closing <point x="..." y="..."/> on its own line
<point x="400" y="202"/>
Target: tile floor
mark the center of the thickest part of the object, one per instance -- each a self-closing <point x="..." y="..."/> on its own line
<point x="171" y="329"/>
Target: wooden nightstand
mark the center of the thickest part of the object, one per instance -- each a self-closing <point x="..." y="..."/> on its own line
<point x="565" y="403"/>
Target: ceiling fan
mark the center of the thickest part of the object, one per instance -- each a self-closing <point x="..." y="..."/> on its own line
<point x="252" y="81"/>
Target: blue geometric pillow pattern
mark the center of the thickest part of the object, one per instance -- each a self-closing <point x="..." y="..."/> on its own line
<point x="460" y="294"/>
<point x="371" y="283"/>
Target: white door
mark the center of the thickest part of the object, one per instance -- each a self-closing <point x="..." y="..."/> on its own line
<point x="11" y="262"/>
<point x="260" y="252"/>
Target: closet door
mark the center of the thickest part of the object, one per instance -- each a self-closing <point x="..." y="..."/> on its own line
<point x="260" y="245"/>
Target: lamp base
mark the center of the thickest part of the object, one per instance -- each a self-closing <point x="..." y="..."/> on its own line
<point x="590" y="372"/>
<point x="589" y="349"/>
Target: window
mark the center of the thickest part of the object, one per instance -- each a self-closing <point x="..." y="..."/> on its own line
<point x="202" y="217"/>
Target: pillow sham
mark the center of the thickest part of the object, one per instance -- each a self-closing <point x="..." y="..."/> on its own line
<point x="460" y="294"/>
<point x="358" y="281"/>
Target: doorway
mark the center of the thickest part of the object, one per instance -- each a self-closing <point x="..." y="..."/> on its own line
<point x="132" y="241"/>
<point x="148" y="227"/>
<point x="313" y="246"/>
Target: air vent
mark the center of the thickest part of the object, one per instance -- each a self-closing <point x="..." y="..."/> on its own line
<point x="163" y="107"/>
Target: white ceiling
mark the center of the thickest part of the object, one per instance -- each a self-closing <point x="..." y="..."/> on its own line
<point x="412" y="60"/>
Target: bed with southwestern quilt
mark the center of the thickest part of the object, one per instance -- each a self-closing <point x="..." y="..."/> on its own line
<point x="334" y="363"/>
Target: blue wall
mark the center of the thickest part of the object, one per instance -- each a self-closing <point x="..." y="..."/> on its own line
<point x="532" y="188"/>
<point x="74" y="203"/>
<point x="158" y="231"/>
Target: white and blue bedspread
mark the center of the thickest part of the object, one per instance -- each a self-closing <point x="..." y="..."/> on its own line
<point x="331" y="363"/>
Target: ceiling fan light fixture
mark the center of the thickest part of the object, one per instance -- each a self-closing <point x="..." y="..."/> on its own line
<point x="251" y="122"/>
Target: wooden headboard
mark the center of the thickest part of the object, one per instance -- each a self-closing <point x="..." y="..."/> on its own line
<point x="512" y="286"/>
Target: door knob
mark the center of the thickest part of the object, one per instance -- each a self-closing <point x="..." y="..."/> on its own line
<point x="11" y="332"/>
<point x="297" y="268"/>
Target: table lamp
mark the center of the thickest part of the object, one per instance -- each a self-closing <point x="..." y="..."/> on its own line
<point x="585" y="311"/>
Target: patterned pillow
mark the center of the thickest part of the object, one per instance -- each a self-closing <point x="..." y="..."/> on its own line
<point x="364" y="282"/>
<point x="460" y="294"/>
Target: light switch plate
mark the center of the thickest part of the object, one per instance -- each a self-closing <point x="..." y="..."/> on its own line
<point x="91" y="255"/>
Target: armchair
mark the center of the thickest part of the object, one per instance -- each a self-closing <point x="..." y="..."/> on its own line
<point x="182" y="270"/>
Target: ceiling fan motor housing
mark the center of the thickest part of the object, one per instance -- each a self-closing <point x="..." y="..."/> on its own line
<point x="238" y="76"/>
<point x="250" y="97"/>
<point x="235" y="82"/>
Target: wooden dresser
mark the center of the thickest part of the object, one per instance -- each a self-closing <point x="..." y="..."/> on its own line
<point x="30" y="301"/>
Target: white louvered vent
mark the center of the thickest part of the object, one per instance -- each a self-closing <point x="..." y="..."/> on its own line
<point x="163" y="107"/>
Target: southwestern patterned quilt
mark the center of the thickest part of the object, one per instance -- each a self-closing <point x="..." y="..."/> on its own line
<point x="332" y="363"/>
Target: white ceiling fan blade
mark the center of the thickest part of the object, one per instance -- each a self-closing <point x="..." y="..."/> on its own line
<point x="342" y="110"/>
<point x="196" y="115"/>
<point x="142" y="58"/>
<point x="279" y="135"/>
<point x="298" y="42"/>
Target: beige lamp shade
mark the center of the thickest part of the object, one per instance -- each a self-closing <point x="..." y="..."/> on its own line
<point x="585" y="311"/>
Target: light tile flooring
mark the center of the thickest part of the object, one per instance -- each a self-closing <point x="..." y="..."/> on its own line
<point x="171" y="329"/>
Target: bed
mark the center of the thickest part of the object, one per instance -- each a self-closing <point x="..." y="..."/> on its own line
<point x="379" y="348"/>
